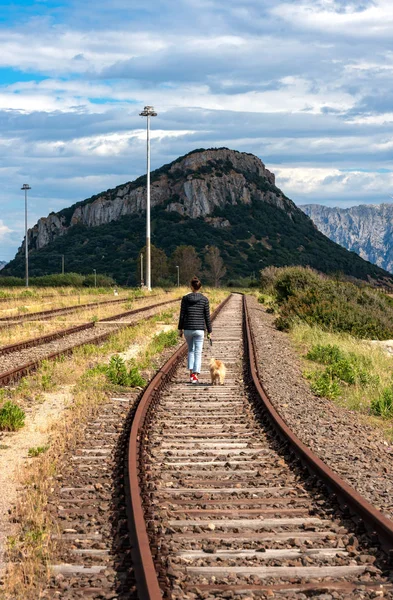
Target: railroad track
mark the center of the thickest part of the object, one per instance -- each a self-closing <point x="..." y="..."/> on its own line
<point x="17" y="360"/>
<point x="11" y="321"/>
<point x="225" y="502"/>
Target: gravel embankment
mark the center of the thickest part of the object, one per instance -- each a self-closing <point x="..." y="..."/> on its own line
<point x="357" y="452"/>
<point x="16" y="359"/>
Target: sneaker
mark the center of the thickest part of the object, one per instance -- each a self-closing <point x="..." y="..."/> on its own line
<point x="194" y="378"/>
<point x="191" y="378"/>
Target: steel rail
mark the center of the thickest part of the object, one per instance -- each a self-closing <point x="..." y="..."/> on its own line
<point x="13" y="375"/>
<point x="44" y="339"/>
<point x="372" y="518"/>
<point x="143" y="562"/>
<point x="36" y="316"/>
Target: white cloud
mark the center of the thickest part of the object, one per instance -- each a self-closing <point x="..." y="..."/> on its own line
<point x="60" y="51"/>
<point x="329" y="16"/>
<point x="338" y="186"/>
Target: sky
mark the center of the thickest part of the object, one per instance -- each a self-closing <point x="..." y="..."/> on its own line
<point x="306" y="85"/>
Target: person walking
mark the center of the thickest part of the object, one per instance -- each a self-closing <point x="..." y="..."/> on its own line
<point x="194" y="319"/>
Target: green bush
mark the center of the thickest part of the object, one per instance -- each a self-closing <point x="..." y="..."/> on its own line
<point x="340" y="306"/>
<point x="135" y="379"/>
<point x="165" y="339"/>
<point x="117" y="371"/>
<point x="37" y="450"/>
<point x="322" y="384"/>
<point x="345" y="366"/>
<point x="344" y="370"/>
<point x="101" y="280"/>
<point x="12" y="417"/>
<point x="118" y="374"/>
<point x="57" y="280"/>
<point x="383" y="405"/>
<point x="325" y="355"/>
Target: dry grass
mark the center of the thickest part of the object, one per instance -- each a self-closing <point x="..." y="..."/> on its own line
<point x="47" y="298"/>
<point x="29" y="551"/>
<point x="32" y="305"/>
<point x="31" y="329"/>
<point x="355" y="397"/>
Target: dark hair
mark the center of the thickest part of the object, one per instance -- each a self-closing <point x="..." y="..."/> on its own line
<point x="195" y="283"/>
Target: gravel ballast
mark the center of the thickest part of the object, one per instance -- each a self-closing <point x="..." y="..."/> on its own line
<point x="357" y="452"/>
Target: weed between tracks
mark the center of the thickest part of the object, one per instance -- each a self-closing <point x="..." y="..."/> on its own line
<point x="30" y="551"/>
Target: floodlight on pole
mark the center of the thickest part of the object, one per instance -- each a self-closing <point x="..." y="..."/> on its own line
<point x="178" y="275"/>
<point x="26" y="187"/>
<point x="148" y="112"/>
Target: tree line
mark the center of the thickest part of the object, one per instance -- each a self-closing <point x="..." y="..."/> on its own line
<point x="185" y="262"/>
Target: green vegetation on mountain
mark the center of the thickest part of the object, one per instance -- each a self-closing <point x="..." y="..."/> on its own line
<point x="242" y="213"/>
<point x="261" y="235"/>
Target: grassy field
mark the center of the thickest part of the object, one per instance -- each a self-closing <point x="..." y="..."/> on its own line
<point x="31" y="329"/>
<point x="336" y="326"/>
<point x="36" y="301"/>
<point x="354" y="373"/>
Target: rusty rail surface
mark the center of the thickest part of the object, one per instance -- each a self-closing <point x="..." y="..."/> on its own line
<point x="6" y="322"/>
<point x="147" y="578"/>
<point x="44" y="339"/>
<point x="372" y="518"/>
<point x="14" y="374"/>
<point x="145" y="572"/>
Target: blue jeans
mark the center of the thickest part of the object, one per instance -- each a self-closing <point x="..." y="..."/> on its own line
<point x="194" y="339"/>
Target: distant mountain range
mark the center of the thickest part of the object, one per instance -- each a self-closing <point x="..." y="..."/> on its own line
<point x="366" y="229"/>
<point x="217" y="197"/>
<point x="2" y="264"/>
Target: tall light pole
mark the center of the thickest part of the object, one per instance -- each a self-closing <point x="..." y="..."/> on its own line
<point x="178" y="275"/>
<point x="95" y="277"/>
<point x="26" y="187"/>
<point x="142" y="282"/>
<point x="148" y="112"/>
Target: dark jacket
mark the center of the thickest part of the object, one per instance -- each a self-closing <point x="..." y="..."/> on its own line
<point x="195" y="312"/>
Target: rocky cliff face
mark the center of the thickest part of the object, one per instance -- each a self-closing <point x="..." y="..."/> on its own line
<point x="366" y="229"/>
<point x="193" y="186"/>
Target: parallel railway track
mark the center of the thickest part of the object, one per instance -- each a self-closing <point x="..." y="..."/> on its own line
<point x="12" y="320"/>
<point x="17" y="360"/>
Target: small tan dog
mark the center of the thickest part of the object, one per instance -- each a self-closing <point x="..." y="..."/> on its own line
<point x="217" y="371"/>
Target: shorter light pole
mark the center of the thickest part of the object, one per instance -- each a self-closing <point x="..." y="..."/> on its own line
<point x="62" y="264"/>
<point x="142" y="282"/>
<point x="95" y="278"/>
<point x="148" y="112"/>
<point x="178" y="275"/>
<point x="26" y="187"/>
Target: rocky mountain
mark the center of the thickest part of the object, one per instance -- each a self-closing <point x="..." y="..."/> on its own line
<point x="2" y="264"/>
<point x="192" y="186"/>
<point x="214" y="197"/>
<point x="366" y="229"/>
